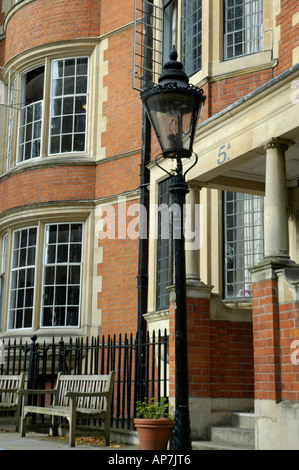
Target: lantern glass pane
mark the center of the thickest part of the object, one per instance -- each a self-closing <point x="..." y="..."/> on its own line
<point x="173" y="120"/>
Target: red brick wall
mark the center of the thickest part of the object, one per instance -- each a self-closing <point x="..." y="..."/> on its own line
<point x="117" y="176"/>
<point x="123" y="106"/>
<point x="266" y="340"/>
<point x="276" y="328"/>
<point x="115" y="14"/>
<point x="289" y="345"/>
<point x="289" y="35"/>
<point x="70" y="183"/>
<point x="41" y="22"/>
<point x="118" y="299"/>
<point x="220" y="354"/>
<point x="228" y="91"/>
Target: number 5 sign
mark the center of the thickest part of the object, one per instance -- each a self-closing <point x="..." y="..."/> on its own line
<point x="222" y="154"/>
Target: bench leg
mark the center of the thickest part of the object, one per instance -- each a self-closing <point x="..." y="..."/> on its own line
<point x="55" y="425"/>
<point x="72" y="422"/>
<point x="23" y="425"/>
<point x="17" y="419"/>
<point x="107" y="431"/>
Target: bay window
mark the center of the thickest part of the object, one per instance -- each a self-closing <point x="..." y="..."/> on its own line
<point x="56" y="281"/>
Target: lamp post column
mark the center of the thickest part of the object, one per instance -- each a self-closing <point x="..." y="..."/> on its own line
<point x="181" y="436"/>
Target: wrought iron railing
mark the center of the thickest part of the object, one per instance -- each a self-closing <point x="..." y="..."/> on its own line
<point x="42" y="362"/>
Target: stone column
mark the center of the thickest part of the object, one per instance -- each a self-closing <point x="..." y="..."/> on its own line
<point x="192" y="245"/>
<point x="276" y="203"/>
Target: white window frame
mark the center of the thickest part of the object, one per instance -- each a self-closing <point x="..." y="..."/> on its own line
<point x="2" y="275"/>
<point x="192" y="32"/>
<point x="16" y="270"/>
<point x="245" y="36"/>
<point x="65" y="265"/>
<point x="30" y="132"/>
<point x="243" y="216"/>
<point x="65" y="117"/>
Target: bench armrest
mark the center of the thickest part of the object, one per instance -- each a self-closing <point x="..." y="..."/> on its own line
<point x="9" y="390"/>
<point x="85" y="394"/>
<point x="22" y="391"/>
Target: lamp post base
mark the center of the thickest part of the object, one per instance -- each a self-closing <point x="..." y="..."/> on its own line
<point x="181" y="434"/>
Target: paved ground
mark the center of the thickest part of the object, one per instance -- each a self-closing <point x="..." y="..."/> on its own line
<point x="10" y="440"/>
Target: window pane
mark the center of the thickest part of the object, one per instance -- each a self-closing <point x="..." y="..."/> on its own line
<point x="68" y="105"/>
<point x="72" y="316"/>
<point x="62" y="254"/>
<point x="80" y="121"/>
<point x="57" y="87"/>
<point x="79" y="142"/>
<point x="66" y="143"/>
<point x="67" y="124"/>
<point x="56" y="126"/>
<point x="58" y="68"/>
<point x="69" y="86"/>
<point x="61" y="275"/>
<point x="56" y="107"/>
<point x="49" y="275"/>
<point x="76" y="232"/>
<point x="69" y="67"/>
<point x="55" y="145"/>
<point x="81" y="85"/>
<point x="82" y="66"/>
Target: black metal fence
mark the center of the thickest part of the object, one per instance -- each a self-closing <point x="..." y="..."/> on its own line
<point x="140" y="369"/>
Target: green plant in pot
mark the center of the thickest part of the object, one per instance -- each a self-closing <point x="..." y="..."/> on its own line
<point x="153" y="423"/>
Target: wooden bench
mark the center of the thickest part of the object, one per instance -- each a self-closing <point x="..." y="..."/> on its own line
<point x="9" y="397"/>
<point x="75" y="396"/>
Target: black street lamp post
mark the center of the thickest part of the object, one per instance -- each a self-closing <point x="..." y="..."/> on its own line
<point x="173" y="107"/>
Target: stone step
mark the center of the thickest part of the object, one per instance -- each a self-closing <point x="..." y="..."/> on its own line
<point x="232" y="435"/>
<point x="243" y="420"/>
<point x="240" y="435"/>
<point x="208" y="445"/>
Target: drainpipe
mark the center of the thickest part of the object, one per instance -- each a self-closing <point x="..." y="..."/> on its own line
<point x="142" y="279"/>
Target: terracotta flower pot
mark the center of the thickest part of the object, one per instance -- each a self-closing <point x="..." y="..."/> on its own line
<point x="153" y="434"/>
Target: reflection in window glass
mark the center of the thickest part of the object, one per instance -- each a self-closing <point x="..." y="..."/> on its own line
<point x="243" y="27"/>
<point x="164" y="246"/>
<point x="69" y="100"/>
<point x="22" y="279"/>
<point x="192" y="35"/>
<point x="243" y="241"/>
<point x="62" y="275"/>
<point x="30" y="124"/>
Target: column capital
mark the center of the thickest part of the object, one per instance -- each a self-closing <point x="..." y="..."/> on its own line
<point x="194" y="185"/>
<point x="278" y="143"/>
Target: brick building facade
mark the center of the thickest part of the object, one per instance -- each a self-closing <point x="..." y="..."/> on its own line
<point x="71" y="145"/>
